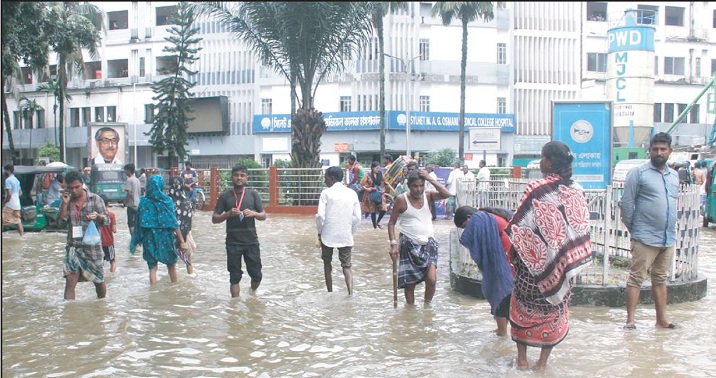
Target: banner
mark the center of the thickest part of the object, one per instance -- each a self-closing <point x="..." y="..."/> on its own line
<point x="107" y="143"/>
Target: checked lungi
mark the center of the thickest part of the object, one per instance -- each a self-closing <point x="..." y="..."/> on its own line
<point x="415" y="260"/>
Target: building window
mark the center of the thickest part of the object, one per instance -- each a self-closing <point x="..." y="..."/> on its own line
<point x="657" y="112"/>
<point x="674" y="16"/>
<point x="99" y="114"/>
<point x="681" y="108"/>
<point x="694" y="114"/>
<point x="596" y="11"/>
<point x="40" y="119"/>
<point x="596" y="62"/>
<point x="17" y="120"/>
<point x="697" y="67"/>
<point x="345" y="103"/>
<point x="111" y="114"/>
<point x="501" y="53"/>
<point x="266" y="106"/>
<point x="148" y="113"/>
<point x="669" y="113"/>
<point x="673" y="66"/>
<point x="424" y="49"/>
<point x="424" y="103"/>
<point x="75" y="117"/>
<point x="86" y="116"/>
<point x="164" y="15"/>
<point x="142" y="71"/>
<point x="713" y="65"/>
<point x="656" y="66"/>
<point x="118" y="20"/>
<point x="713" y="25"/>
<point x="501" y="105"/>
<point x="647" y="14"/>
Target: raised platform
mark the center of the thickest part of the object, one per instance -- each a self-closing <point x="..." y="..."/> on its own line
<point x="594" y="295"/>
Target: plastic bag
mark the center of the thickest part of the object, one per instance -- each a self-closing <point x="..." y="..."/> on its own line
<point x="92" y="236"/>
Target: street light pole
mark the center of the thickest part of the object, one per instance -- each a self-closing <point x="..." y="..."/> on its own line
<point x="409" y="86"/>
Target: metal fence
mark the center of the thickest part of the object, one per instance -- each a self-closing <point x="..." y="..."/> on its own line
<point x="296" y="186"/>
<point x="609" y="236"/>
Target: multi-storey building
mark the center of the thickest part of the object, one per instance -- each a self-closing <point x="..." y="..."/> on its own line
<point x="530" y="54"/>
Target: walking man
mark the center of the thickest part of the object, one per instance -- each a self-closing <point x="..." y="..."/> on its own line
<point x="11" y="211"/>
<point x="240" y="207"/>
<point x="337" y="220"/>
<point x="82" y="262"/>
<point x="133" y="188"/>
<point x="416" y="246"/>
<point x="455" y="175"/>
<point x="649" y="212"/>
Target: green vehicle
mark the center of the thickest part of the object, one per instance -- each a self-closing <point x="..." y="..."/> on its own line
<point x="709" y="209"/>
<point x="35" y="216"/>
<point x="108" y="180"/>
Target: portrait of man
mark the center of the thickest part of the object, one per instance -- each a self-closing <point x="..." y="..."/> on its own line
<point x="108" y="148"/>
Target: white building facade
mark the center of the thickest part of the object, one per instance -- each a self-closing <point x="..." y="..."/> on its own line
<point x="530" y="54"/>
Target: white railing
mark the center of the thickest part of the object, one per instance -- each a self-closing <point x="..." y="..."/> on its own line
<point x="606" y="230"/>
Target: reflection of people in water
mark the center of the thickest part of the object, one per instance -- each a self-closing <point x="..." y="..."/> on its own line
<point x="107" y="140"/>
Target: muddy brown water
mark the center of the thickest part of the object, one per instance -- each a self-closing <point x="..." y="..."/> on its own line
<point x="292" y="327"/>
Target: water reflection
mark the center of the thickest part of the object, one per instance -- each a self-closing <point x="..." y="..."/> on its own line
<point x="294" y="327"/>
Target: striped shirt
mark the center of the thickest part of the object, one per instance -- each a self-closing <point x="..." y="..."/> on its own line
<point x="93" y="203"/>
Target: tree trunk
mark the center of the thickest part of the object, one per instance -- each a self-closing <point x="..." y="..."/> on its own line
<point x="461" y="119"/>
<point x="381" y="48"/>
<point x="6" y="120"/>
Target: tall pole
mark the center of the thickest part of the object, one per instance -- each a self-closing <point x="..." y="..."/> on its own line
<point x="134" y="88"/>
<point x="408" y="83"/>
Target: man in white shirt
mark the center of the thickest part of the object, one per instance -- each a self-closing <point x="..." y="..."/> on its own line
<point x="11" y="211"/>
<point x="455" y="175"/>
<point x="483" y="184"/>
<point x="337" y="220"/>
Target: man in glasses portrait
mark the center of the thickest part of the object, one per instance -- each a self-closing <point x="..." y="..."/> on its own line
<point x="107" y="140"/>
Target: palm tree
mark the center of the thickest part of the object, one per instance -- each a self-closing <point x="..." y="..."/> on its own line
<point x="303" y="42"/>
<point x="23" y="39"/>
<point x="466" y="12"/>
<point x="378" y="11"/>
<point x="53" y="86"/>
<point x="72" y="28"/>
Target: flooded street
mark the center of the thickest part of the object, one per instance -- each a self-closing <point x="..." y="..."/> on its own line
<point x="292" y="327"/>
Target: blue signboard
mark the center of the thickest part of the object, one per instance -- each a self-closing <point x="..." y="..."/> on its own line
<point x="631" y="38"/>
<point x="396" y="120"/>
<point x="435" y="121"/>
<point x="587" y="129"/>
<point x="337" y="121"/>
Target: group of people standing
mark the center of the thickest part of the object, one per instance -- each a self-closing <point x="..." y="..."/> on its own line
<point x="528" y="257"/>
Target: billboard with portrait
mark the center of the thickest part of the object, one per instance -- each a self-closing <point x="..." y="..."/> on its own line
<point x="107" y="143"/>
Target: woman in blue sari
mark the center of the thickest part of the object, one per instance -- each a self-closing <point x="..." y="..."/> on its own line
<point x="157" y="230"/>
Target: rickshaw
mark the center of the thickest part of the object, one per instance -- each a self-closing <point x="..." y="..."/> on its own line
<point x="35" y="216"/>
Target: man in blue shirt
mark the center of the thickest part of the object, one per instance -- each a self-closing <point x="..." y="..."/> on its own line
<point x="649" y="212"/>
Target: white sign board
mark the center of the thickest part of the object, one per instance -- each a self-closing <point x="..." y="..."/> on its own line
<point x="485" y="139"/>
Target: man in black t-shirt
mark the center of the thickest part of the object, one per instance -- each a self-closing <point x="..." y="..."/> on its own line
<point x="239" y="207"/>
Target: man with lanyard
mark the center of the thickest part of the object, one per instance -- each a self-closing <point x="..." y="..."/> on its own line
<point x="82" y="262"/>
<point x="239" y="207"/>
<point x="189" y="175"/>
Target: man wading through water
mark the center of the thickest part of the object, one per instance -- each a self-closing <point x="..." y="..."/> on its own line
<point x="239" y="207"/>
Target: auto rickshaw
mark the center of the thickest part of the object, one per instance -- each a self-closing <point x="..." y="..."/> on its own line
<point x="35" y="216"/>
<point x="108" y="180"/>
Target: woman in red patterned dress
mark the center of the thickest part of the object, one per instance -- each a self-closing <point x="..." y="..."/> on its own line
<point x="550" y="245"/>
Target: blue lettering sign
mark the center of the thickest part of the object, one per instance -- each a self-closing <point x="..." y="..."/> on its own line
<point x="433" y="121"/>
<point x="630" y="38"/>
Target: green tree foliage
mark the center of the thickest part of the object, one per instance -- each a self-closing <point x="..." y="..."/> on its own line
<point x="444" y="157"/>
<point x="304" y="42"/>
<point x="173" y="93"/>
<point x="72" y="27"/>
<point x="23" y="40"/>
<point x="49" y="150"/>
<point x="465" y="12"/>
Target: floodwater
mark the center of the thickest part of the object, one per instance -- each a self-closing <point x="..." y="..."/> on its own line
<point x="292" y="327"/>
